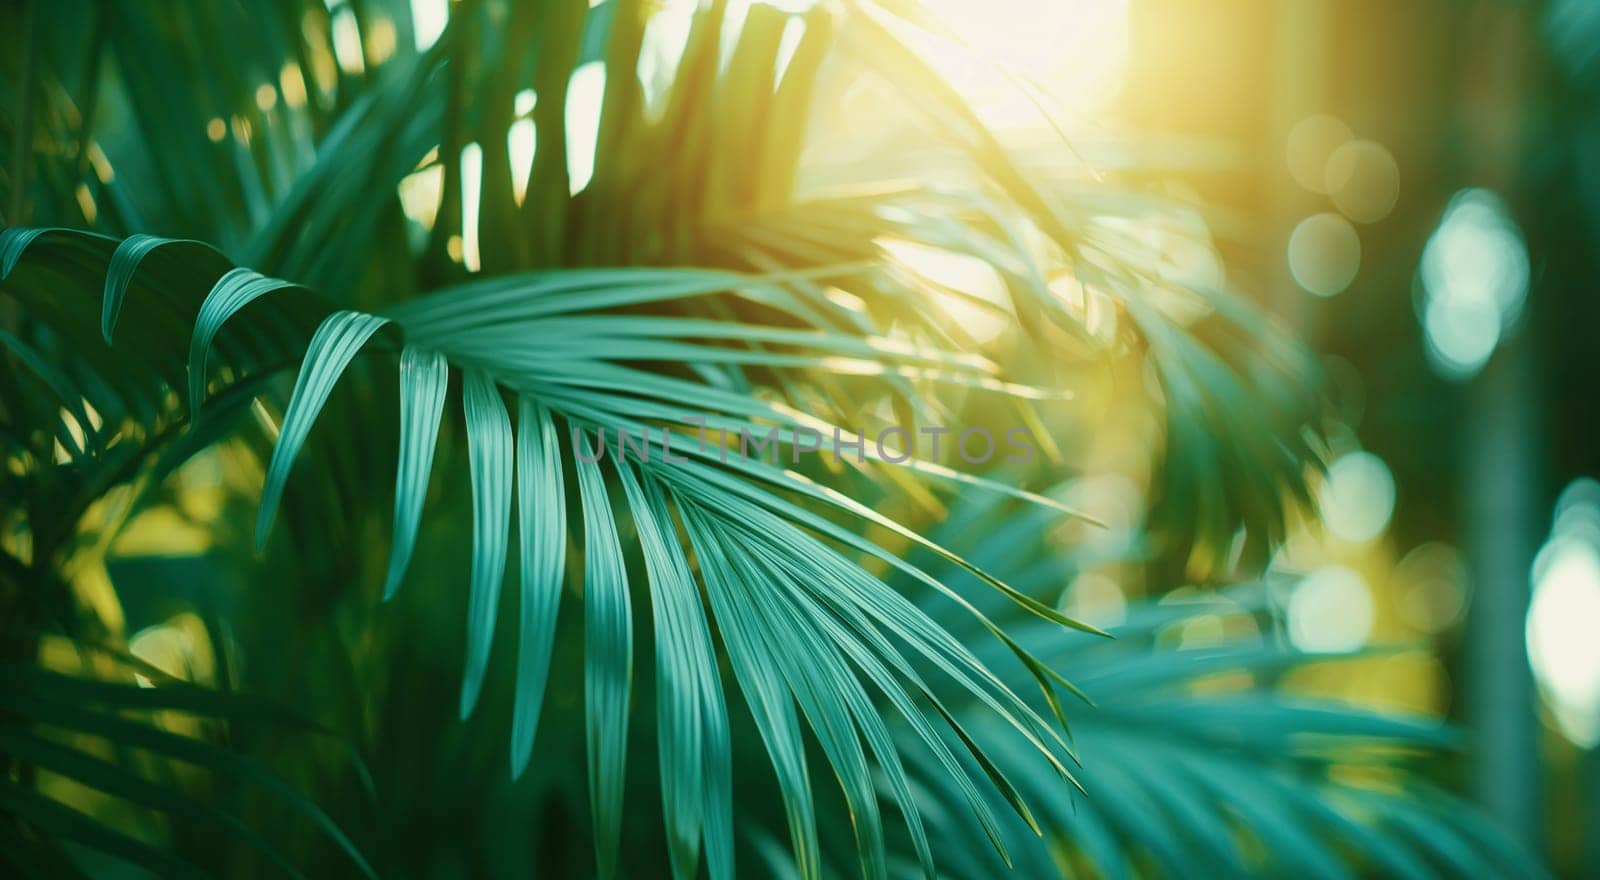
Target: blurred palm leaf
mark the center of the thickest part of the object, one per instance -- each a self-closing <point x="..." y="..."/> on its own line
<point x="1239" y="391"/>
<point x="100" y="734"/>
<point x="1195" y="760"/>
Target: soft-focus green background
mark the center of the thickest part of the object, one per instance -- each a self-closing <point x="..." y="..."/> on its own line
<point x="1412" y="187"/>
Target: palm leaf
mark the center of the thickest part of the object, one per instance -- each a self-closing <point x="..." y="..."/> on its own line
<point x="726" y="501"/>
<point x="800" y="300"/>
<point x="35" y="698"/>
<point x="1179" y="777"/>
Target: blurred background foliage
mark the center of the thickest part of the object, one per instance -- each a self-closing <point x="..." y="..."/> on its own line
<point x="1310" y="560"/>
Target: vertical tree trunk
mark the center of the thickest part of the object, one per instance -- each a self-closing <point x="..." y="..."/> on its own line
<point x="1502" y="528"/>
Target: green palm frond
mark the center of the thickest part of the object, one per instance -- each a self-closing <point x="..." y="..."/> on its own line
<point x="756" y="549"/>
<point x="1181" y="781"/>
<point x="83" y="417"/>
<point x="567" y="313"/>
<point x="1196" y="762"/>
<point x="62" y="724"/>
<point x="1237" y="390"/>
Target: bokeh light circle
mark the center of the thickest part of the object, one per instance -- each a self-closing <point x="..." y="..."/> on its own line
<point x="1357" y="498"/>
<point x="1432" y="584"/>
<point x="1562" y="648"/>
<point x="1364" y="180"/>
<point x="1330" y="610"/>
<point x="1474" y="283"/>
<point x="1324" y="254"/>
<point x="1461" y="334"/>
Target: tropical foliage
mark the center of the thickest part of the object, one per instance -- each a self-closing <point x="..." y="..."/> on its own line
<point x="201" y="199"/>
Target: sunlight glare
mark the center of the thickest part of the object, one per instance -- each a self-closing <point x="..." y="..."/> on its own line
<point x="521" y="141"/>
<point x="585" y="95"/>
<point x="471" y="197"/>
<point x="347" y="41"/>
<point x="793" y="30"/>
<point x="293" y="84"/>
<point x="1566" y="602"/>
<point x="428" y="18"/>
<point x="964" y="287"/>
<point x="666" y="35"/>
<point x="419" y="195"/>
<point x="178" y="646"/>
<point x="1561" y="644"/>
<point x="381" y="39"/>
<point x="1076" y="51"/>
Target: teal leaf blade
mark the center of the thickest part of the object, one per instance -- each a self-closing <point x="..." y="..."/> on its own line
<point x="762" y="684"/>
<point x="489" y="456"/>
<point x="332" y="348"/>
<point x="232" y="292"/>
<point x="542" y="527"/>
<point x="685" y="674"/>
<point x="424" y="379"/>
<point x="124" y="264"/>
<point x="13" y="243"/>
<point x="607" y="658"/>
